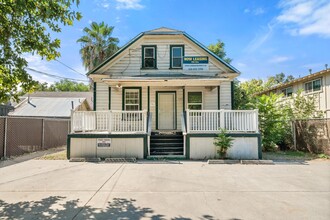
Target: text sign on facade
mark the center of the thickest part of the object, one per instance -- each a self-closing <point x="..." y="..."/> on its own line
<point x="103" y="142"/>
<point x="196" y="63"/>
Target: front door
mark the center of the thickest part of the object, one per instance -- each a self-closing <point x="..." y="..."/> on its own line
<point x="166" y="110"/>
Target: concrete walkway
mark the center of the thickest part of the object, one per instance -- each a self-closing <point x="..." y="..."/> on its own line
<point x="39" y="189"/>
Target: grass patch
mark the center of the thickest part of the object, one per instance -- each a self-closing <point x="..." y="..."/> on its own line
<point x="292" y="155"/>
<point x="54" y="156"/>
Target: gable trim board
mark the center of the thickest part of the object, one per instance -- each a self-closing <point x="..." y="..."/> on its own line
<point x="165" y="33"/>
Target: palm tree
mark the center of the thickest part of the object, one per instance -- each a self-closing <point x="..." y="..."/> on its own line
<point x="97" y="45"/>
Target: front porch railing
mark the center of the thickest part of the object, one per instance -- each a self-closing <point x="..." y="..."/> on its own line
<point x="203" y="121"/>
<point x="109" y="121"/>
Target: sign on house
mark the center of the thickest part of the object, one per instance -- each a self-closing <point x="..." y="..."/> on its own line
<point x="196" y="63"/>
<point x="103" y="142"/>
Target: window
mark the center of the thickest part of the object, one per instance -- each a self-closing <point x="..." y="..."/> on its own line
<point x="313" y="86"/>
<point x="149" y="57"/>
<point x="195" y="100"/>
<point x="287" y="92"/>
<point x="177" y="53"/>
<point x="131" y="100"/>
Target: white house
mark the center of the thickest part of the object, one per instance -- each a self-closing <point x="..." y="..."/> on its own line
<point x="163" y="94"/>
<point x="316" y="85"/>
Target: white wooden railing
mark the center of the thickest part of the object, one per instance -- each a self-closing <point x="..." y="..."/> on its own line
<point x="203" y="121"/>
<point x="109" y="121"/>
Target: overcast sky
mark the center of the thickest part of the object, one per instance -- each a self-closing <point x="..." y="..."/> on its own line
<point x="263" y="37"/>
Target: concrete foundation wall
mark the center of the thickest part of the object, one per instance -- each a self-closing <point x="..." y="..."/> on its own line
<point x="243" y="148"/>
<point x="120" y="148"/>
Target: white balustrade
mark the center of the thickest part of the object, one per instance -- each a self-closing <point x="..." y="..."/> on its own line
<point x="109" y="121"/>
<point x="201" y="121"/>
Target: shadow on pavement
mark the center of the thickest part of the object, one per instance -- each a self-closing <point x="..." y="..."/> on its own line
<point x="55" y="207"/>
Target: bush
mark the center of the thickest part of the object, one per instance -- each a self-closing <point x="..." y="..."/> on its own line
<point x="223" y="142"/>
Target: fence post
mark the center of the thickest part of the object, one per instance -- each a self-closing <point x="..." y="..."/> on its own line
<point x="293" y="126"/>
<point x="71" y="121"/>
<point x="5" y="139"/>
<point x="43" y="133"/>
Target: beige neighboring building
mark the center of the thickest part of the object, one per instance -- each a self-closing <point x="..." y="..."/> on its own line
<point x="316" y="84"/>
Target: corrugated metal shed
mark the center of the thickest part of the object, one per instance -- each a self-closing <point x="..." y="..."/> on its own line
<point x="47" y="107"/>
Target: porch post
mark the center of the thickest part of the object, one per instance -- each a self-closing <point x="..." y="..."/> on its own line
<point x="148" y="98"/>
<point x="188" y="122"/>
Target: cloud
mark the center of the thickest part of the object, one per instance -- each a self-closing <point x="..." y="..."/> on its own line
<point x="103" y="4"/>
<point x="117" y="19"/>
<point x="279" y="59"/>
<point x="306" y="17"/>
<point x="255" y="11"/>
<point x="129" y="4"/>
<point x="261" y="38"/>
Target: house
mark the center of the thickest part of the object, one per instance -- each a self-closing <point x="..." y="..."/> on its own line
<point x="163" y="94"/>
<point x="316" y="84"/>
<point x="52" y="104"/>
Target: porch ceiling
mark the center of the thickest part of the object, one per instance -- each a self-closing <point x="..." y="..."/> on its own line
<point x="185" y="80"/>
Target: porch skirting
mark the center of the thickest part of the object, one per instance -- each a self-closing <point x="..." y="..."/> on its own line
<point x="245" y="146"/>
<point x="122" y="145"/>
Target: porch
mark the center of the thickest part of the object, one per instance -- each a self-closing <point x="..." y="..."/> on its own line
<point x="131" y="131"/>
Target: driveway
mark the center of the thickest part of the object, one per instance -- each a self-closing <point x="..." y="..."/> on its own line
<point x="39" y="189"/>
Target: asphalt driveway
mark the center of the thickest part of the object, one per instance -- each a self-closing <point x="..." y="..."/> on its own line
<point x="39" y="189"/>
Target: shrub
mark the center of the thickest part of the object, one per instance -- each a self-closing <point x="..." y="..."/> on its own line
<point x="223" y="142"/>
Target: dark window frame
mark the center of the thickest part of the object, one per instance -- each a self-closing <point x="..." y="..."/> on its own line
<point x="195" y="103"/>
<point x="171" y="56"/>
<point x="312" y="82"/>
<point x="124" y="97"/>
<point x="143" y="56"/>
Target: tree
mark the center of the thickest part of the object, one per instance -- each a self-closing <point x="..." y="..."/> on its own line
<point x="97" y="44"/>
<point x="24" y="28"/>
<point x="63" y="86"/>
<point x="219" y="50"/>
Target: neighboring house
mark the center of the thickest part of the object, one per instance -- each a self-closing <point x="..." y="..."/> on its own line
<point x="5" y="109"/>
<point x="316" y="84"/>
<point x="51" y="104"/>
<point x="162" y="94"/>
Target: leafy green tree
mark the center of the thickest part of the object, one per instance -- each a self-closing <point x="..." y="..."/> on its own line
<point x="302" y="107"/>
<point x="63" y="86"/>
<point x="271" y="118"/>
<point x="219" y="49"/>
<point x="97" y="44"/>
<point x="24" y="28"/>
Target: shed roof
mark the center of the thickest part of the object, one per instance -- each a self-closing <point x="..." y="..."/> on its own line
<point x="47" y="107"/>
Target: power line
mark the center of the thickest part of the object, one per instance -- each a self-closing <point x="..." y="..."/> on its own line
<point x="55" y="76"/>
<point x="70" y="67"/>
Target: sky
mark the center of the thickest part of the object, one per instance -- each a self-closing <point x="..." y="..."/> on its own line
<point x="263" y="37"/>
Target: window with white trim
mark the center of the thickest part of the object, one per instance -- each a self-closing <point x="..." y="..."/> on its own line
<point x="313" y="86"/>
<point x="195" y="100"/>
<point x="176" y="56"/>
<point x="287" y="92"/>
<point x="132" y="100"/>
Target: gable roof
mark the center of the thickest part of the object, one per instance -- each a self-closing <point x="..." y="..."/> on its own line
<point x="47" y="107"/>
<point x="163" y="31"/>
<point x="50" y="94"/>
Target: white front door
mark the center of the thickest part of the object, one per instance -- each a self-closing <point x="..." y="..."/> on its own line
<point x="166" y="110"/>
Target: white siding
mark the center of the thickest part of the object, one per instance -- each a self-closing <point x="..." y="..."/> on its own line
<point x="130" y="61"/>
<point x="116" y="98"/>
<point x="225" y="95"/>
<point x="322" y="97"/>
<point x="179" y="97"/>
<point x="102" y="96"/>
<point x="210" y="97"/>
